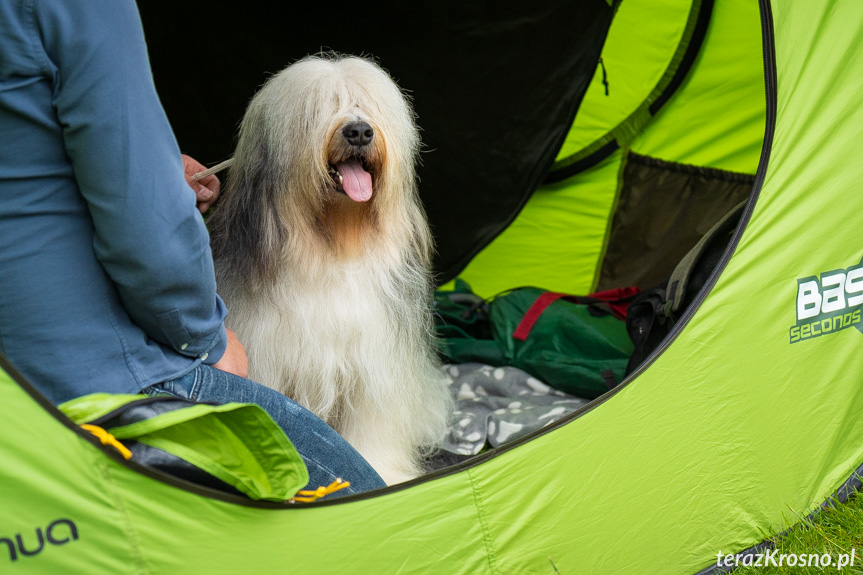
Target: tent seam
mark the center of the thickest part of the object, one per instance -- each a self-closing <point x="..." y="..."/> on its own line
<point x="483" y="522"/>
<point x="128" y="527"/>
<point x="729" y="176"/>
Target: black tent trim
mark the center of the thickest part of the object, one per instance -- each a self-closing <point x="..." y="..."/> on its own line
<point x="582" y="164"/>
<point x="689" y="169"/>
<point x="605" y="146"/>
<point x="688" y="58"/>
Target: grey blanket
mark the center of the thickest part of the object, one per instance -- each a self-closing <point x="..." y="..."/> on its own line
<point x="498" y="404"/>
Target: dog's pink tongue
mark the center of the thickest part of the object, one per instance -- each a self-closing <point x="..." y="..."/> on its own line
<point x="355" y="180"/>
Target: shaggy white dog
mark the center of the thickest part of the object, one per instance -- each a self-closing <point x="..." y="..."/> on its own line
<point x="322" y="254"/>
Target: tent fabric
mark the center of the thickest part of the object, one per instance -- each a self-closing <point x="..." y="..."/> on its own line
<point x="651" y="61"/>
<point x="726" y="434"/>
<point x="559" y="238"/>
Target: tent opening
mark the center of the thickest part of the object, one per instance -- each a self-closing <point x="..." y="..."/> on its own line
<point x="645" y="193"/>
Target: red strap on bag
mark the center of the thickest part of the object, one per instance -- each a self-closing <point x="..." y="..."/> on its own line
<point x="617" y="300"/>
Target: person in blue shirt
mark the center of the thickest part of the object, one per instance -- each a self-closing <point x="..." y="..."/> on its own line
<point x="106" y="275"/>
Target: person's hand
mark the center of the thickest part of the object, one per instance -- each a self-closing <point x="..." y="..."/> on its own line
<point x="206" y="189"/>
<point x="235" y="360"/>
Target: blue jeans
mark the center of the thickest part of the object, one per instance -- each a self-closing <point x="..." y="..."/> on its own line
<point x="326" y="453"/>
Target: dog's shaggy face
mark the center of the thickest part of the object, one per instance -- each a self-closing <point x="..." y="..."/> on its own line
<point x="323" y="252"/>
<point x="339" y="137"/>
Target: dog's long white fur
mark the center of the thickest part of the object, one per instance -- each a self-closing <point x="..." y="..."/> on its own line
<point x="332" y="297"/>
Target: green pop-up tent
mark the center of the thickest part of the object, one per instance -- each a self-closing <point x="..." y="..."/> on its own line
<point x="746" y="417"/>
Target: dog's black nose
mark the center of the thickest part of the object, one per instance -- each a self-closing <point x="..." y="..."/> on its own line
<point x="358" y="133"/>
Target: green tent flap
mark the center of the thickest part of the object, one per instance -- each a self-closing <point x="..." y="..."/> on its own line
<point x="238" y="444"/>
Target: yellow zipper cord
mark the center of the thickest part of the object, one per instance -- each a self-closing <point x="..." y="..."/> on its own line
<point x="107" y="439"/>
<point x="307" y="496"/>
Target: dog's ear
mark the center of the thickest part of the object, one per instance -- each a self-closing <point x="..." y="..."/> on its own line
<point x="246" y="233"/>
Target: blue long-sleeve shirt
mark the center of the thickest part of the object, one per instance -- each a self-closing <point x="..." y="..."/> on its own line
<point x="106" y="275"/>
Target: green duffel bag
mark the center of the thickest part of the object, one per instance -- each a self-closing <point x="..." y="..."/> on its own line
<point x="234" y="447"/>
<point x="577" y="344"/>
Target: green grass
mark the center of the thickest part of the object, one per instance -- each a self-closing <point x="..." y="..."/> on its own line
<point x="836" y="530"/>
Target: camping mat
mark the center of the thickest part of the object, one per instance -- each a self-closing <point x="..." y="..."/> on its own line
<point x="498" y="404"/>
